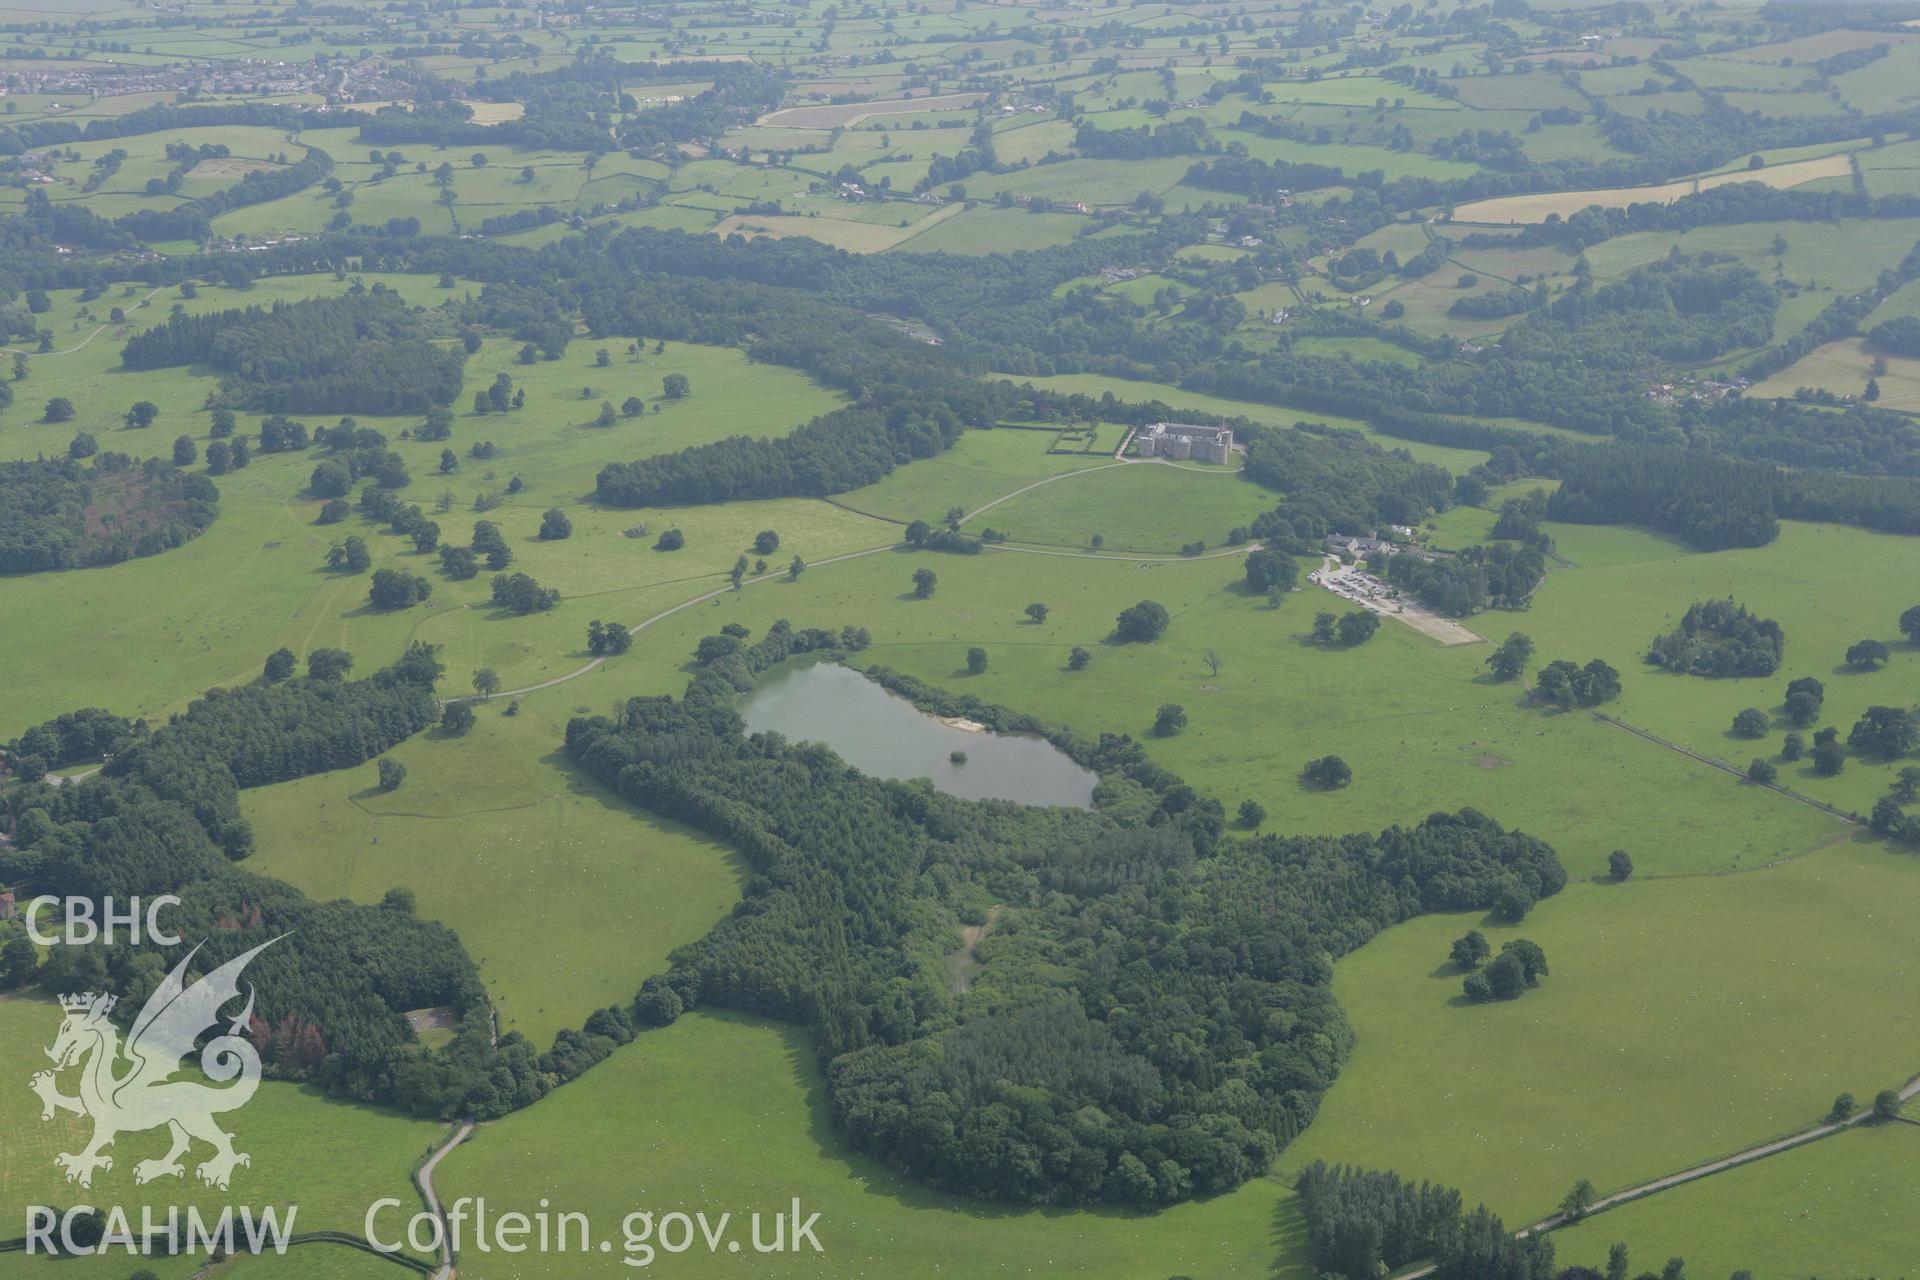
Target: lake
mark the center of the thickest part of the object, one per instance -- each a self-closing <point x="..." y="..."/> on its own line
<point x="882" y="734"/>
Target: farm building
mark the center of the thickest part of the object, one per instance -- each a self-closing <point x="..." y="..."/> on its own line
<point x="1356" y="547"/>
<point x="1181" y="440"/>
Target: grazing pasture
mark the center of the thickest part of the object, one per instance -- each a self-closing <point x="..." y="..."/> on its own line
<point x="332" y="1158"/>
<point x="583" y="895"/>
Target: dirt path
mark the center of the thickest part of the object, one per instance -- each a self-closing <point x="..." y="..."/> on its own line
<point x="1005" y="497"/>
<point x="1724" y="767"/>
<point x="1118" y="461"/>
<point x="638" y="627"/>
<point x="432" y="1197"/>
<point x="84" y="341"/>
<point x="1696" y="1172"/>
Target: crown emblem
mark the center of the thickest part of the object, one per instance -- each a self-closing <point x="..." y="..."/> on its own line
<point x="86" y="1000"/>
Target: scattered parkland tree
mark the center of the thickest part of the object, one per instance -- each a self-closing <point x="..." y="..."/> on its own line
<point x="795" y="569"/>
<point x="766" y="542"/>
<point x="457" y="718"/>
<point x="1509" y="661"/>
<point x="279" y="666"/>
<point x="1575" y="1204"/>
<point x="1078" y="658"/>
<point x="392" y="773"/>
<point x="1792" y="747"/>
<point x="397" y="589"/>
<point x="1829" y="757"/>
<point x="1619" y="864"/>
<point x="1843" y="1108"/>
<point x="605" y="639"/>
<point x="675" y="386"/>
<point x="1909" y="624"/>
<point x="1804" y="698"/>
<point x="351" y="556"/>
<point x="1533" y="961"/>
<point x="1169" y="720"/>
<point x="1252" y="814"/>
<point x="1142" y="623"/>
<point x="1866" y="655"/>
<point x="1469" y="951"/>
<point x="329" y="664"/>
<point x="1762" y="771"/>
<point x="1886" y="818"/>
<point x="520" y="594"/>
<point x="670" y="540"/>
<point x="1520" y="964"/>
<point x="142" y="414"/>
<point x="1567" y="686"/>
<point x="1887" y="732"/>
<point x="485" y="682"/>
<point x="1750" y="723"/>
<point x="1327" y="773"/>
<point x="330" y="480"/>
<point x="185" y="451"/>
<point x="1323" y="625"/>
<point x="60" y="409"/>
<point x="83" y="446"/>
<point x="1036" y="613"/>
<point x="555" y="525"/>
<point x="1271" y="570"/>
<point x="1357" y="627"/>
<point x="459" y="563"/>
<point x="924" y="581"/>
<point x="1886" y="1105"/>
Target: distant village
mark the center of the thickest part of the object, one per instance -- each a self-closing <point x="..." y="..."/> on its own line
<point x="338" y="83"/>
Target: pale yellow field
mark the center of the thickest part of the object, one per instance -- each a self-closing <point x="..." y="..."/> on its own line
<point x="1535" y="208"/>
<point x="854" y="112"/>
<point x="854" y="237"/>
<point x="496" y="112"/>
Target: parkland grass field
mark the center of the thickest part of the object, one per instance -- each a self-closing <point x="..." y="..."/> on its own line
<point x="576" y="369"/>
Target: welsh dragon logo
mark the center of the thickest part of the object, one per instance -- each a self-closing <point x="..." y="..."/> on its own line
<point x="127" y="1088"/>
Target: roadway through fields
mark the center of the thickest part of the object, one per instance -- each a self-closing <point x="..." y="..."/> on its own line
<point x="1653" y="1186"/>
<point x="1613" y="1199"/>
<point x="642" y="625"/>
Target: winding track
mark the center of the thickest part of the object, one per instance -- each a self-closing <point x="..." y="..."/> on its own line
<point x="1653" y="1186"/>
<point x="83" y="342"/>
<point x="432" y="1197"/>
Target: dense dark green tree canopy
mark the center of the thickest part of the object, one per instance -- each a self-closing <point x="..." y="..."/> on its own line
<point x="361" y="353"/>
<point x="61" y="515"/>
<point x="1011" y="1074"/>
